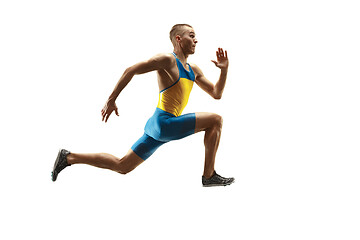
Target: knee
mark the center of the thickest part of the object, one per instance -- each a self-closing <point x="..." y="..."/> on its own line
<point x="208" y="122"/>
<point x="124" y="172"/>
<point x="122" y="167"/>
<point x="125" y="169"/>
<point x="218" y="121"/>
<point x="216" y="124"/>
<point x="128" y="163"/>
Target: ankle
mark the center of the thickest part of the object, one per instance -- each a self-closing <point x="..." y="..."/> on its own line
<point x="209" y="174"/>
<point x="70" y="158"/>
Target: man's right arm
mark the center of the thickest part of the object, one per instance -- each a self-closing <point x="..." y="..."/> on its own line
<point x="160" y="61"/>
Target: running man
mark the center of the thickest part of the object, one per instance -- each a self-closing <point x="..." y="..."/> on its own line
<point x="175" y="78"/>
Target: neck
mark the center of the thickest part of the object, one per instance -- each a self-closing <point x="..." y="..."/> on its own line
<point x="181" y="55"/>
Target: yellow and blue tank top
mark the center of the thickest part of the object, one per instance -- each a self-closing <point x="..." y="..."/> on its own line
<point x="174" y="98"/>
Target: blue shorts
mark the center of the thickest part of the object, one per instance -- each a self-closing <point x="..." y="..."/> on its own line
<point x="163" y="127"/>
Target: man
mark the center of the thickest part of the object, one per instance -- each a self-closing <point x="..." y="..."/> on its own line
<point x="175" y="79"/>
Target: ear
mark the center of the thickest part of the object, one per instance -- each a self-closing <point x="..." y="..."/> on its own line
<point x="178" y="38"/>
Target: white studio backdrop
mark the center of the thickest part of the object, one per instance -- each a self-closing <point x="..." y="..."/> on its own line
<point x="290" y="108"/>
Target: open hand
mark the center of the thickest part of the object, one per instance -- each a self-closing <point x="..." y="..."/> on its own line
<point x="109" y="107"/>
<point x="222" y="59"/>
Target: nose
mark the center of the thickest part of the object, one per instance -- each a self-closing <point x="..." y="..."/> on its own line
<point x="195" y="40"/>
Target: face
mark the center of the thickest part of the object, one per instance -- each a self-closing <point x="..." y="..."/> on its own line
<point x="188" y="41"/>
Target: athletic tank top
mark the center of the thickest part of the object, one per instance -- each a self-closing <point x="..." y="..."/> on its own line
<point x="174" y="98"/>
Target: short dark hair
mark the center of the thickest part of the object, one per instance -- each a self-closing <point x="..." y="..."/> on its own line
<point x="177" y="29"/>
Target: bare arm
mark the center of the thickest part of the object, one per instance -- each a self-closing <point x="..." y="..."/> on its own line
<point x="160" y="61"/>
<point x="214" y="90"/>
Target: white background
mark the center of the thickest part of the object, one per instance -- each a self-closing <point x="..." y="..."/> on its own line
<point x="291" y="130"/>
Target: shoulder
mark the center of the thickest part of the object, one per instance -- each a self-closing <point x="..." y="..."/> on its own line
<point x="193" y="66"/>
<point x="163" y="59"/>
<point x="196" y="69"/>
<point x="157" y="62"/>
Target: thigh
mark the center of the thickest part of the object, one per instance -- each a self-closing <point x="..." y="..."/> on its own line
<point x="175" y="128"/>
<point x="205" y="120"/>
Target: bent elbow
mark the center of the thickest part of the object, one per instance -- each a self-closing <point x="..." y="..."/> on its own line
<point x="129" y="70"/>
<point x="217" y="96"/>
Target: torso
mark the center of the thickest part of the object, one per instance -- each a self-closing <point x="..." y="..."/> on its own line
<point x="175" y="84"/>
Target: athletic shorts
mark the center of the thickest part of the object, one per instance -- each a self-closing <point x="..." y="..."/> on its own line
<point x="161" y="128"/>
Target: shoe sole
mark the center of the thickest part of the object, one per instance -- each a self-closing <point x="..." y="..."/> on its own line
<point x="54" y="176"/>
<point x="219" y="185"/>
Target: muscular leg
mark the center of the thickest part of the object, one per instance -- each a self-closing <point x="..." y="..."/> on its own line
<point x="103" y="160"/>
<point x="210" y="123"/>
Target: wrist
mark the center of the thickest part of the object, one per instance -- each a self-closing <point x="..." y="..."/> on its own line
<point x="111" y="99"/>
<point x="224" y="70"/>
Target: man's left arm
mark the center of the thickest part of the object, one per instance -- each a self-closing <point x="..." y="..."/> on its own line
<point x="214" y="90"/>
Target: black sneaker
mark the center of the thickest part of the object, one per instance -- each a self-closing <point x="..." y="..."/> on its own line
<point x="60" y="163"/>
<point x="217" y="180"/>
